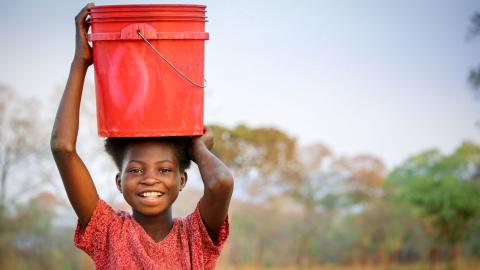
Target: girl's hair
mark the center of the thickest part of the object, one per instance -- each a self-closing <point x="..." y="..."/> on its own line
<point x="116" y="148"/>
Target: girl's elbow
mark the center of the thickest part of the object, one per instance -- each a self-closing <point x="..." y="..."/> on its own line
<point x="228" y="182"/>
<point x="222" y="183"/>
<point x="58" y="146"/>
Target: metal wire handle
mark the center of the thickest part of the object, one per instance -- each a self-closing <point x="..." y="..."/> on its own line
<point x="168" y="62"/>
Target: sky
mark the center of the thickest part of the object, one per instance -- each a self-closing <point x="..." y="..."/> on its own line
<point x="387" y="78"/>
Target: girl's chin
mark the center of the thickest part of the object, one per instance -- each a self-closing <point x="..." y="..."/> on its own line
<point x="150" y="207"/>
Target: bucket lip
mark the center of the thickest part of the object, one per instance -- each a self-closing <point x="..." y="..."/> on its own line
<point x="133" y="6"/>
<point x="107" y="133"/>
<point x="115" y="20"/>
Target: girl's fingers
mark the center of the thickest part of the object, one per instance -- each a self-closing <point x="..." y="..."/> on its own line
<point x="80" y="18"/>
<point x="88" y="6"/>
<point x="207" y="130"/>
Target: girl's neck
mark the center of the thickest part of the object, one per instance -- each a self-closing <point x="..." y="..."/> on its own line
<point x="157" y="227"/>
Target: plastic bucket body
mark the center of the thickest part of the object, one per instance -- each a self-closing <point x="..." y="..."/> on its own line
<point x="138" y="93"/>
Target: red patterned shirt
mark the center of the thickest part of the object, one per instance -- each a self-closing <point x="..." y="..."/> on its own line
<point x="114" y="240"/>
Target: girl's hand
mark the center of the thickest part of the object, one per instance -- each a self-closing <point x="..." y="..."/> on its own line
<point x="198" y="142"/>
<point x="83" y="51"/>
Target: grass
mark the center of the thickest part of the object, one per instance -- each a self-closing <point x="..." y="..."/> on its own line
<point x="462" y="264"/>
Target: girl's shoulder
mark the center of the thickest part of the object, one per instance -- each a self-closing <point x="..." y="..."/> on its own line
<point x="109" y="210"/>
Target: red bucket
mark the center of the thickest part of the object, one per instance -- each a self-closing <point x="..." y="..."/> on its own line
<point x="149" y="63"/>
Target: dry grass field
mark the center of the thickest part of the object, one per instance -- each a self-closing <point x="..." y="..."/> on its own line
<point x="463" y="264"/>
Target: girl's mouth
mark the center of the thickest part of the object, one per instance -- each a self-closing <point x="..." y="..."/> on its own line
<point x="151" y="194"/>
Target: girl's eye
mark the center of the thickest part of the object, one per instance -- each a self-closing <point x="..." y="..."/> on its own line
<point x="134" y="171"/>
<point x="165" y="170"/>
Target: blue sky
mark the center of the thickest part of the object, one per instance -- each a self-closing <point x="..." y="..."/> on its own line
<point x="381" y="77"/>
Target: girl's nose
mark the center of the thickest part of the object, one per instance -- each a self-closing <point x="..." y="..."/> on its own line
<point x="150" y="178"/>
<point x="149" y="181"/>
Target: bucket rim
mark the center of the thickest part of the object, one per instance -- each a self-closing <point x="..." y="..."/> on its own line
<point x="145" y="19"/>
<point x="148" y="10"/>
<point x="133" y="6"/>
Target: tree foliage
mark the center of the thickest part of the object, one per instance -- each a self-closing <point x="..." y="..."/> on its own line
<point x="445" y="191"/>
<point x="21" y="139"/>
<point x="254" y="154"/>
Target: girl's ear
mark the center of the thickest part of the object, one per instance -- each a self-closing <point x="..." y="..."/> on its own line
<point x="183" y="180"/>
<point x="118" y="182"/>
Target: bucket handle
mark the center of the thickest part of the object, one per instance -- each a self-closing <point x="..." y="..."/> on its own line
<point x="169" y="63"/>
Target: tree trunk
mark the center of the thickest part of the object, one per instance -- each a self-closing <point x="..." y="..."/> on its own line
<point x="3" y="183"/>
<point x="258" y="261"/>
<point x="381" y="256"/>
<point x="303" y="259"/>
<point x="433" y="258"/>
<point x="454" y="255"/>
<point x="4" y="174"/>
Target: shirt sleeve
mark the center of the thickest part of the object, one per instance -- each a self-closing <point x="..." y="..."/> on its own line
<point x="94" y="237"/>
<point x="210" y="248"/>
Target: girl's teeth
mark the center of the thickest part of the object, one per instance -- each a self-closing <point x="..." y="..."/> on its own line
<point x="152" y="194"/>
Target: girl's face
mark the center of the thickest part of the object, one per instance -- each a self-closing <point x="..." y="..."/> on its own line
<point x="150" y="179"/>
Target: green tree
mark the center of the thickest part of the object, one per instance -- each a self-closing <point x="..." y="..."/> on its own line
<point x="28" y="238"/>
<point x="445" y="191"/>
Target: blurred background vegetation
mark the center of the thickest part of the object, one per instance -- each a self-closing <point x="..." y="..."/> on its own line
<point x="295" y="207"/>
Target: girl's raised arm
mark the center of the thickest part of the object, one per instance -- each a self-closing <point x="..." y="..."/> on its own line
<point x="75" y="176"/>
<point x="217" y="182"/>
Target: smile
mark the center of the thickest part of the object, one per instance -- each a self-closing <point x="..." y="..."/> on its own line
<point x="151" y="194"/>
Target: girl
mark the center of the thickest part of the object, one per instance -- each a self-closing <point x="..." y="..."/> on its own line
<point x="151" y="175"/>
